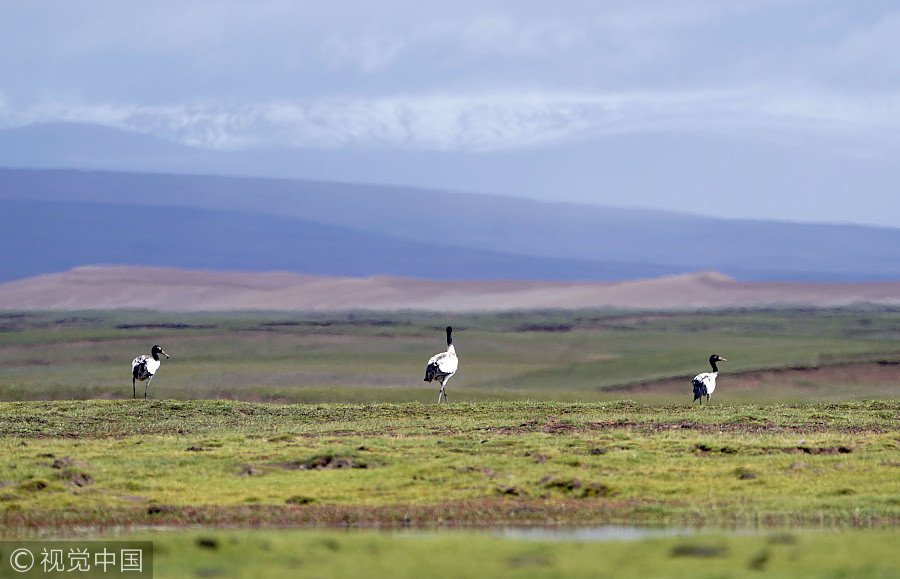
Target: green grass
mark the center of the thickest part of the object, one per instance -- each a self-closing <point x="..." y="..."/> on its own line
<point x="793" y="553"/>
<point x="810" y="487"/>
<point x="174" y="462"/>
<point x="377" y="357"/>
<point x="350" y="554"/>
<point x="560" y="420"/>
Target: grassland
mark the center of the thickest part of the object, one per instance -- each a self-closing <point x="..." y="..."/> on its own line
<point x="560" y="420"/>
<point x="391" y="465"/>
<point x="584" y="356"/>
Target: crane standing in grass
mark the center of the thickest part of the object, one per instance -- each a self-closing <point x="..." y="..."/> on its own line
<point x="442" y="367"/>
<point x="144" y="367"/>
<point x="705" y="384"/>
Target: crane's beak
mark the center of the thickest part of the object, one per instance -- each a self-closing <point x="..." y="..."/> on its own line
<point x="721" y="359"/>
<point x="164" y="354"/>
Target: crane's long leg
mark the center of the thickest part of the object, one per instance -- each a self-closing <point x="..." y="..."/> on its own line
<point x="133" y="388"/>
<point x="150" y="379"/>
<point x="444" y="392"/>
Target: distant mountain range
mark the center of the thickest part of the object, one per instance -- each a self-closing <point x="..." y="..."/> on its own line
<point x="52" y="220"/>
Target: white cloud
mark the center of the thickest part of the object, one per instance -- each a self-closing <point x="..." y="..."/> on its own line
<point x="496" y="121"/>
<point x="371" y="52"/>
<point x="504" y="36"/>
<point x="472" y="76"/>
<point x="874" y="50"/>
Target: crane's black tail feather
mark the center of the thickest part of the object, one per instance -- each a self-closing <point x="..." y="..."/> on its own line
<point x="140" y="371"/>
<point x="699" y="389"/>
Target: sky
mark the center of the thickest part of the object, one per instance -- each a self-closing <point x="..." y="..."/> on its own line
<point x="760" y="109"/>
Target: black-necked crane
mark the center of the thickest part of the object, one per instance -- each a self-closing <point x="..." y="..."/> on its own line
<point x="144" y="367"/>
<point x="442" y="367"/>
<point x="705" y="384"/>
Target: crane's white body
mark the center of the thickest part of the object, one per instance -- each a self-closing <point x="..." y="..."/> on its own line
<point x="442" y="367"/>
<point x="705" y="384"/>
<point x="144" y="367"/>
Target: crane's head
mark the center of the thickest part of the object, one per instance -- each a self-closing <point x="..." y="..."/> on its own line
<point x="717" y="358"/>
<point x="157" y="350"/>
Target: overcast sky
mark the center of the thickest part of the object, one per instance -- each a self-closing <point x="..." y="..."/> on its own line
<point x="785" y="109"/>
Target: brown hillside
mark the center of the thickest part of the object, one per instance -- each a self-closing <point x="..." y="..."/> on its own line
<point x="101" y="287"/>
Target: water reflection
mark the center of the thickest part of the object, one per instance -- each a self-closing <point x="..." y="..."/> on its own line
<point x="592" y="534"/>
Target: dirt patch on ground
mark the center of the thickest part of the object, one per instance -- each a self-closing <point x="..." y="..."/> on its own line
<point x="72" y="471"/>
<point x="322" y="462"/>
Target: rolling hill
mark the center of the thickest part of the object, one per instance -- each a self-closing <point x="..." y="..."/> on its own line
<point x="52" y="220"/>
<point x="43" y="237"/>
<point x="153" y="288"/>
